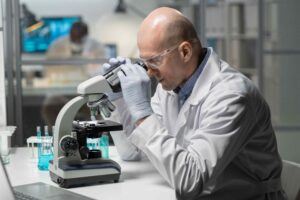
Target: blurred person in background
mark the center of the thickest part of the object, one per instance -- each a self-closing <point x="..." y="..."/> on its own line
<point x="77" y="43"/>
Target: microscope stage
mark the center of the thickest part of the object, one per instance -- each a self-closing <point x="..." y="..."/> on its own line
<point x="100" y="125"/>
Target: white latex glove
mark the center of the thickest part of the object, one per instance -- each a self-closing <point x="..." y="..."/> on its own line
<point x="136" y="89"/>
<point x="106" y="67"/>
<point x="112" y="61"/>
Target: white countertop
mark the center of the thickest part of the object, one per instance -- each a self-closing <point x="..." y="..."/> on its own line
<point x="139" y="180"/>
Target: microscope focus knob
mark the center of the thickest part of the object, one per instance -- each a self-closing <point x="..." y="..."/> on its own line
<point x="68" y="144"/>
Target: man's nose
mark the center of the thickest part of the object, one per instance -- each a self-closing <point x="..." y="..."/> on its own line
<point x="152" y="72"/>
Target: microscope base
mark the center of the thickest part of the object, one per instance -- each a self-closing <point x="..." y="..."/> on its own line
<point x="81" y="181"/>
<point x="86" y="172"/>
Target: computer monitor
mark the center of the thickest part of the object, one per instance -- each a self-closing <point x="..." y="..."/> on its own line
<point x="110" y="50"/>
<point x="38" y="37"/>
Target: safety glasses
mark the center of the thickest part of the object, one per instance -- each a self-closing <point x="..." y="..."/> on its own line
<point x="155" y="61"/>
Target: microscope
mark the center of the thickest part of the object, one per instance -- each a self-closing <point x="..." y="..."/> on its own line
<point x="74" y="164"/>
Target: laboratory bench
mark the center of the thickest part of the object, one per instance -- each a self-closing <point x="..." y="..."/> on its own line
<point x="139" y="179"/>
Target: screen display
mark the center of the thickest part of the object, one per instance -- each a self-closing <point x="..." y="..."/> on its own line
<point x="111" y="50"/>
<point x="39" y="36"/>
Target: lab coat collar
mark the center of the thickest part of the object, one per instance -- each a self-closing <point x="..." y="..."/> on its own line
<point x="210" y="69"/>
<point x="202" y="85"/>
<point x="200" y="90"/>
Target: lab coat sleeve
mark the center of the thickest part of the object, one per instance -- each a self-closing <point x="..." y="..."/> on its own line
<point x="125" y="148"/>
<point x="60" y="48"/>
<point x="221" y="132"/>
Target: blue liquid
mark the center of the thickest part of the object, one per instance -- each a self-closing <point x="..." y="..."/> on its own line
<point x="104" y="142"/>
<point x="44" y="161"/>
<point x="92" y="143"/>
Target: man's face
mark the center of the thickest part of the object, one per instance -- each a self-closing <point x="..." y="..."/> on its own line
<point x="164" y="64"/>
<point x="76" y="36"/>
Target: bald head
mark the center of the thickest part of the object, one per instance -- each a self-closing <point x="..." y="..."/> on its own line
<point x="168" y="41"/>
<point x="164" y="27"/>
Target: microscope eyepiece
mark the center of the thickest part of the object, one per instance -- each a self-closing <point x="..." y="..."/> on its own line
<point x="112" y="77"/>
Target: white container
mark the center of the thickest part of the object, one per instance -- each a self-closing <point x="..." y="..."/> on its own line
<point x="5" y="133"/>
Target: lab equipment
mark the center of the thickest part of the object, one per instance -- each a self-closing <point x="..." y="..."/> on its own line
<point x="33" y="141"/>
<point x="104" y="144"/>
<point x="92" y="143"/>
<point x="114" y="67"/>
<point x="73" y="163"/>
<point x="111" y="69"/>
<point x="39" y="137"/>
<point x="5" y="133"/>
<point x="45" y="153"/>
<point x="106" y="67"/>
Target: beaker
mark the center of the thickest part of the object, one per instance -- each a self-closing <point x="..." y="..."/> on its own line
<point x="45" y="153"/>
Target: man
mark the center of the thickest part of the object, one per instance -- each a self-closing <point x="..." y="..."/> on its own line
<point x="207" y="129"/>
<point x="77" y="43"/>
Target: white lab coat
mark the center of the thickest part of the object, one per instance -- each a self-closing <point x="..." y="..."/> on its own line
<point x="219" y="145"/>
<point x="62" y="48"/>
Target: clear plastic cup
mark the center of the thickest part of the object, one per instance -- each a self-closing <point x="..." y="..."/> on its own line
<point x="4" y="150"/>
<point x="5" y="133"/>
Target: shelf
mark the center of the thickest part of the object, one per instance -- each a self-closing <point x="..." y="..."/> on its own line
<point x="52" y="90"/>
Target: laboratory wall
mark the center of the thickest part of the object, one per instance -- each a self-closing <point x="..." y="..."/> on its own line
<point x="232" y="28"/>
<point x="289" y="70"/>
<point x="282" y="69"/>
<point x="2" y="76"/>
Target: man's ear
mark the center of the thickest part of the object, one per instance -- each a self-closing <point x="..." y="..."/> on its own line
<point x="186" y="50"/>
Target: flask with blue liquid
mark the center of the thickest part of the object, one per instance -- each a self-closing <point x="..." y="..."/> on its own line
<point x="104" y="144"/>
<point x="45" y="153"/>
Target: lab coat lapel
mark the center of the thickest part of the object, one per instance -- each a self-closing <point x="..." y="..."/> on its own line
<point x="173" y="111"/>
<point x="203" y="84"/>
<point x="200" y="90"/>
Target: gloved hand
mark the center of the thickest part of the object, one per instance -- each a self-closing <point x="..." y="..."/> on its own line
<point x="106" y="67"/>
<point x="136" y="88"/>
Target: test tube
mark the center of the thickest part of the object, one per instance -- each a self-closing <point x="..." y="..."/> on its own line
<point x="39" y="138"/>
<point x="47" y="138"/>
<point x="46" y="131"/>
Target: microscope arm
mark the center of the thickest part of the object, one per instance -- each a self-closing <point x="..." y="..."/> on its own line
<point x="95" y="85"/>
<point x="91" y="90"/>
<point x="64" y="122"/>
